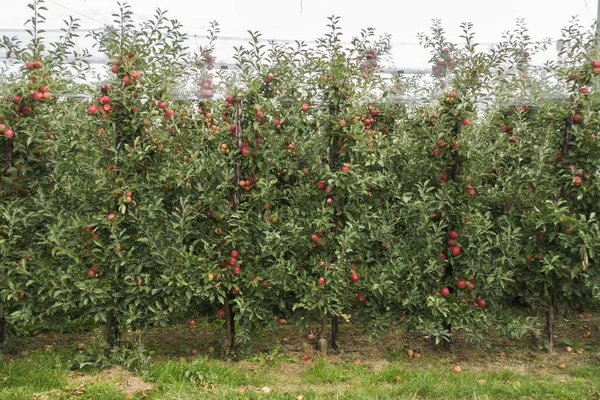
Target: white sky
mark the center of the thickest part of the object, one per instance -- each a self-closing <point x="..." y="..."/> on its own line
<point x="281" y="19"/>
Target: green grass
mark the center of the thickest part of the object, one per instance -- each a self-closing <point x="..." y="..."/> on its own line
<point x="204" y="378"/>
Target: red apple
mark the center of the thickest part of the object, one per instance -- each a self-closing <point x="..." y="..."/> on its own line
<point x="305" y="357"/>
<point x="9" y="134"/>
<point x="221" y="313"/>
<point x="322" y="185"/>
<point x="456" y="368"/>
<point x="111" y="216"/>
<point x="354" y="277"/>
<point x="455" y="251"/>
<point x="305" y="107"/>
<point x="445" y="291"/>
<point x="282" y="321"/>
<point x="461" y="284"/>
<point x="321" y="281"/>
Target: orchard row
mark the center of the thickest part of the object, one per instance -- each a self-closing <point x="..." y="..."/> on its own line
<point x="289" y="193"/>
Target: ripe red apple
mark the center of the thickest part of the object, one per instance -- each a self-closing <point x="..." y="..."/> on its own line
<point x="191" y="322"/>
<point x="305" y="357"/>
<point x="269" y="78"/>
<point x="29" y="65"/>
<point x="452" y="234"/>
<point x="223" y="148"/>
<point x="329" y="200"/>
<point x="456" y="368"/>
<point x="92" y="109"/>
<point x="9" y="134"/>
<point x="345" y="168"/>
<point x="461" y="284"/>
<point x="234" y="253"/>
<point x="104" y="100"/>
<point x="169" y="113"/>
<point x="451" y="95"/>
<point x="321" y="281"/>
<point x="259" y="115"/>
<point x="584" y="90"/>
<point x="354" y="277"/>
<point x="265" y="283"/>
<point x="455" y="251"/>
<point x="111" y="216"/>
<point x="229" y="99"/>
<point x="481" y="302"/>
<point x="221" y="313"/>
<point x="305" y="107"/>
<point x="195" y="352"/>
<point x="310" y="336"/>
<point x="445" y="291"/>
<point x="466" y="122"/>
<point x="322" y="185"/>
<point x="235" y="291"/>
<point x="282" y="321"/>
<point x="361" y="297"/>
<point x="91" y="272"/>
<point x="37" y="64"/>
<point x="436" y="152"/>
<point x="443" y="177"/>
<point x="236" y="270"/>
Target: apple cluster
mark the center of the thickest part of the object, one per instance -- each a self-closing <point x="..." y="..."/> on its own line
<point x="443" y="64"/>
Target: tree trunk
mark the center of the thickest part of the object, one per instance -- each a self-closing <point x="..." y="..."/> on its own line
<point x="229" y="344"/>
<point x="112" y="334"/>
<point x="335" y="324"/>
<point x="2" y="330"/>
<point x="551" y="318"/>
<point x="322" y="340"/>
<point x="449" y="272"/>
<point x="8" y="153"/>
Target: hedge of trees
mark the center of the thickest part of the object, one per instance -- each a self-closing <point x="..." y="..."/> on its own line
<point x="304" y="187"/>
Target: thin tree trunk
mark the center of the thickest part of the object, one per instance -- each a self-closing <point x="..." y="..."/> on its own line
<point x="449" y="272"/>
<point x="229" y="314"/>
<point x="2" y="329"/>
<point x="552" y="317"/>
<point x="322" y="340"/>
<point x="335" y="324"/>
<point x="230" y="327"/>
<point x="8" y="153"/>
<point x="112" y="334"/>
